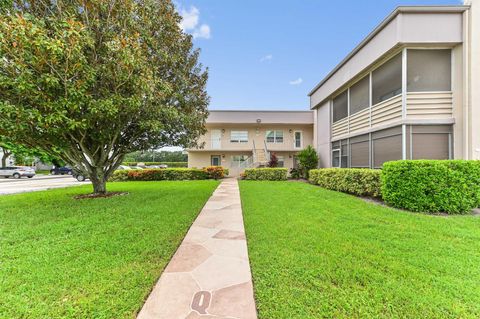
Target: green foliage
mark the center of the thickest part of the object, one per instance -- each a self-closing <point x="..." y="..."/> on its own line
<point x="92" y="81"/>
<point x="156" y="156"/>
<point x="91" y="258"/>
<point x="308" y="159"/>
<point x="451" y="186"/>
<point x="169" y="174"/>
<point x="356" y="181"/>
<point x="296" y="173"/>
<point x="316" y="253"/>
<point x="169" y="164"/>
<point x="266" y="174"/>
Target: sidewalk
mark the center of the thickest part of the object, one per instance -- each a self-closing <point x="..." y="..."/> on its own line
<point x="209" y="275"/>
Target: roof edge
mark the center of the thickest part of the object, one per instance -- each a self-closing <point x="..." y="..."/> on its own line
<point x="378" y="28"/>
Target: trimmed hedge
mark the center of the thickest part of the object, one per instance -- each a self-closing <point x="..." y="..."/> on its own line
<point x="167" y="174"/>
<point x="450" y="186"/>
<point x="169" y="164"/>
<point x="356" y="181"/>
<point x="266" y="174"/>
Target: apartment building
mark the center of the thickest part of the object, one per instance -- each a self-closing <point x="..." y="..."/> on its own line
<point x="410" y="90"/>
<point x="243" y="139"/>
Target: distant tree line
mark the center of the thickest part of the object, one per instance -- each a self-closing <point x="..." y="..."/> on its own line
<point x="156" y="156"/>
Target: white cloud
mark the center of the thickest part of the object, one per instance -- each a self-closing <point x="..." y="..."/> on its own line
<point x="296" y="82"/>
<point x="202" y="32"/>
<point x="189" y="18"/>
<point x="190" y="23"/>
<point x="267" y="57"/>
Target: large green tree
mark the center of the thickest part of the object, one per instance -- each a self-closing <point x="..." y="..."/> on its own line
<point x="90" y="81"/>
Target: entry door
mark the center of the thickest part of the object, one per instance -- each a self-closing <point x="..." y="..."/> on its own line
<point x="298" y="139"/>
<point x="216" y="160"/>
<point x="216" y="136"/>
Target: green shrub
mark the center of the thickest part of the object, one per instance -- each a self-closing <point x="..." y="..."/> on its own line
<point x="356" y="181"/>
<point x="451" y="186"/>
<point x="166" y="174"/>
<point x="266" y="174"/>
<point x="214" y="172"/>
<point x="308" y="160"/>
<point x="169" y="164"/>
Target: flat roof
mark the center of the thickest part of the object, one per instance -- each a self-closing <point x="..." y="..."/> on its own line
<point x="388" y="19"/>
<point x="260" y="116"/>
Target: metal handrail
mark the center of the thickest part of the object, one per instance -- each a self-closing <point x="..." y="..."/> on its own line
<point x="267" y="153"/>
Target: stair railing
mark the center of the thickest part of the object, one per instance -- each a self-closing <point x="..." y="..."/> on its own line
<point x="267" y="153"/>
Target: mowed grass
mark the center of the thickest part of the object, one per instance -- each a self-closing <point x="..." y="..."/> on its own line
<point x="91" y="258"/>
<point x="316" y="253"/>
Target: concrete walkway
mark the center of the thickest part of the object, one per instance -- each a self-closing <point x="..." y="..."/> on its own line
<point x="209" y="275"/>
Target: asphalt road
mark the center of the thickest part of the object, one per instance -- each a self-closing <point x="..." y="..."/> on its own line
<point x="37" y="183"/>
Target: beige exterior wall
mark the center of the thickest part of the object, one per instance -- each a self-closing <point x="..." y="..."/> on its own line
<point x="323" y="135"/>
<point x="473" y="80"/>
<point x="256" y="133"/>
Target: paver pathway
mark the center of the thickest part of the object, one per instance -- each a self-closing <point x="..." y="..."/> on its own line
<point x="209" y="275"/>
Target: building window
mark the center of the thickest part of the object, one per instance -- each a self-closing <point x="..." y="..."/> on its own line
<point x="360" y="151"/>
<point x="239" y="136"/>
<point x="387" y="80"/>
<point x="386" y="146"/>
<point x="360" y="95"/>
<point x="274" y="136"/>
<point x="340" y="154"/>
<point x="237" y="159"/>
<point x="340" y="107"/>
<point x="430" y="142"/>
<point x="281" y="161"/>
<point x="429" y="70"/>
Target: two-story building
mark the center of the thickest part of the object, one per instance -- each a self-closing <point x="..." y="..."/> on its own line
<point x="410" y="90"/>
<point x="242" y="139"/>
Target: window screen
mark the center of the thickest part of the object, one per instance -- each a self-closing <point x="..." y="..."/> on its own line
<point x="340" y="107"/>
<point x="386" y="146"/>
<point x="360" y="95"/>
<point x="387" y="80"/>
<point x="239" y="136"/>
<point x="274" y="136"/>
<point x="360" y="151"/>
<point x="344" y="153"/>
<point x="429" y="70"/>
<point x="431" y="141"/>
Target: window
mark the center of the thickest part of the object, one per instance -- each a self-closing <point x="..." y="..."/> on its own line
<point x="360" y="151"/>
<point x="387" y="80"/>
<point x="336" y="154"/>
<point x="298" y="139"/>
<point x="237" y="159"/>
<point x="386" y="146"/>
<point x="430" y="141"/>
<point x="239" y="136"/>
<point x="281" y="161"/>
<point x="340" y="153"/>
<point x="429" y="70"/>
<point x="340" y="107"/>
<point x="274" y="136"/>
<point x="360" y="95"/>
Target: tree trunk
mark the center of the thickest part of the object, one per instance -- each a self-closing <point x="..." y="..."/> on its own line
<point x="4" y="158"/>
<point x="99" y="186"/>
<point x="99" y="182"/>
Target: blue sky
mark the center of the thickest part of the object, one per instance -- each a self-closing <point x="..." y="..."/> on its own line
<point x="268" y="54"/>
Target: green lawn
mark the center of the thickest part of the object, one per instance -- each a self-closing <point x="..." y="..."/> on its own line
<point x="66" y="258"/>
<point x="321" y="254"/>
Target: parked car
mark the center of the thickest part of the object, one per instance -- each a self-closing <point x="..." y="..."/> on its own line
<point x="123" y="167"/>
<point x="79" y="176"/>
<point x="17" y="171"/>
<point x="136" y="167"/>
<point x="64" y="170"/>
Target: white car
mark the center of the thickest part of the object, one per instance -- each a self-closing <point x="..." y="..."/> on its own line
<point x="123" y="167"/>
<point x="17" y="171"/>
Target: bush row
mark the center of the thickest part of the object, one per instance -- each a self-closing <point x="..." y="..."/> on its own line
<point x="169" y="164"/>
<point x="356" y="181"/>
<point x="169" y="174"/>
<point x="451" y="186"/>
<point x="266" y="174"/>
<point x="447" y="186"/>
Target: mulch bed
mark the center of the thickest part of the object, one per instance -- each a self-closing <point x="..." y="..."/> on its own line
<point x="106" y="195"/>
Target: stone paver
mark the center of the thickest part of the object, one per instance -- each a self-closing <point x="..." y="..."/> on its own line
<point x="209" y="275"/>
